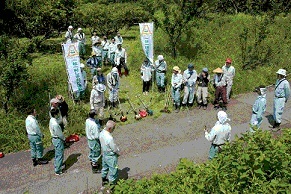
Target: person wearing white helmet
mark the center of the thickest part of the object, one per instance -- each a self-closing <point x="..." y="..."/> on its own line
<point x="80" y="37"/>
<point x="113" y="85"/>
<point x="97" y="100"/>
<point x="202" y="90"/>
<point x="69" y="35"/>
<point x="281" y="96"/>
<point x="219" y="134"/>
<point x="161" y="68"/>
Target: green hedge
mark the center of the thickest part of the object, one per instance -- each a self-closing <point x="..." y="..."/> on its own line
<point x="254" y="163"/>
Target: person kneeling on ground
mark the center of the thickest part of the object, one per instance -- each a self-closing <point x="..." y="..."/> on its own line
<point x="219" y="134"/>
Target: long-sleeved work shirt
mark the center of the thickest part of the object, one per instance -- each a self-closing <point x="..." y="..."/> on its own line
<point x="219" y="80"/>
<point x="176" y="80"/>
<point x="189" y="77"/>
<point x="92" y="129"/>
<point x="108" y="145"/>
<point x="229" y="72"/>
<point x="259" y="107"/>
<point x="161" y="66"/>
<point x="32" y="126"/>
<point x="97" y="97"/>
<point x="219" y="134"/>
<point x="282" y="89"/>
<point x="55" y="129"/>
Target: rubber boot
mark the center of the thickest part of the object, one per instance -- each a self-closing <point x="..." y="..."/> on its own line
<point x="100" y="122"/>
<point x="119" y="72"/>
<point x="177" y="108"/>
<point x="104" y="181"/>
<point x="41" y="161"/>
<point x="34" y="162"/>
<point x="95" y="167"/>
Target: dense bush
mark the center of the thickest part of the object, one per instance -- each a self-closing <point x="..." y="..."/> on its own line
<point x="254" y="163"/>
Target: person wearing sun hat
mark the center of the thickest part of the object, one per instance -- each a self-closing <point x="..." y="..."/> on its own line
<point x="229" y="72"/>
<point x="219" y="83"/>
<point x="97" y="100"/>
<point x="97" y="49"/>
<point x="176" y="82"/>
<point x="281" y="96"/>
<point x="69" y="35"/>
<point x="93" y="64"/>
<point x="219" y="134"/>
<point x="202" y="90"/>
<point x="259" y="108"/>
<point x="113" y="83"/>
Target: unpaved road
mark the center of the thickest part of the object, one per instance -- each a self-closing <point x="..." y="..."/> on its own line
<point x="148" y="146"/>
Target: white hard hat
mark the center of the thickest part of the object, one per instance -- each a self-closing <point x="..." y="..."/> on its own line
<point x="82" y="65"/>
<point x="281" y="72"/>
<point x="70" y="27"/>
<point x="160" y="57"/>
<point x="79" y="29"/>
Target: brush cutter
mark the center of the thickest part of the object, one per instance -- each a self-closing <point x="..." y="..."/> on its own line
<point x="123" y="118"/>
<point x="149" y="112"/>
<point x="137" y="115"/>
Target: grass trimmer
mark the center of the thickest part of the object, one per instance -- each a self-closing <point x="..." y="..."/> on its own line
<point x="137" y="115"/>
<point x="150" y="112"/>
<point x="123" y="118"/>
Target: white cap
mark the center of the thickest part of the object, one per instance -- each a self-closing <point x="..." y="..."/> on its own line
<point x="114" y="70"/>
<point x="160" y="57"/>
<point x="79" y="29"/>
<point x="54" y="100"/>
<point x="70" y="27"/>
<point x="82" y="65"/>
<point x="281" y="72"/>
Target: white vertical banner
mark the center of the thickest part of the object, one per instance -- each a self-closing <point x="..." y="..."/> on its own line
<point x="147" y="39"/>
<point x="72" y="60"/>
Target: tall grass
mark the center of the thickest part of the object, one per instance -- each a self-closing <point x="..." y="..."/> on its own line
<point x="206" y="43"/>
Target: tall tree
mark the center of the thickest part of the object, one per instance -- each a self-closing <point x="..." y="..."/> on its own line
<point x="173" y="17"/>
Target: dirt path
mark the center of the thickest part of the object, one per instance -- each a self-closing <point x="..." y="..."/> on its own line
<point x="148" y="146"/>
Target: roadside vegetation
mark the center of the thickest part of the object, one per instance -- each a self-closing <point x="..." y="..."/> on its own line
<point x="254" y="163"/>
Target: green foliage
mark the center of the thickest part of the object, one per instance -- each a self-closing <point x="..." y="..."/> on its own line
<point x="254" y="163"/>
<point x="13" y="62"/>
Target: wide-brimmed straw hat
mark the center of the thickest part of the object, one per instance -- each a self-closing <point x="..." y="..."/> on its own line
<point x="176" y="68"/>
<point x="218" y="70"/>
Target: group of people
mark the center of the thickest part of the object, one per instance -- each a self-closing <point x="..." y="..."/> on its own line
<point x="220" y="133"/>
<point x="100" y="142"/>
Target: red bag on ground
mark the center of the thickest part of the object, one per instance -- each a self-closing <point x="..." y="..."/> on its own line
<point x="1" y="154"/>
<point x="72" y="138"/>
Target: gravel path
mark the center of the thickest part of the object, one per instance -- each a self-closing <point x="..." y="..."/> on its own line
<point x="148" y="146"/>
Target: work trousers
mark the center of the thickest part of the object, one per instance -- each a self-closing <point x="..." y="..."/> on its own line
<point x="95" y="150"/>
<point x="255" y="122"/>
<point x="36" y="146"/>
<point x="202" y="94"/>
<point x="160" y="78"/>
<point x="213" y="151"/>
<point x="99" y="110"/>
<point x="189" y="92"/>
<point x="220" y="91"/>
<point x="278" y="108"/>
<point x="59" y="154"/>
<point x="146" y="86"/>
<point x="113" y="95"/>
<point x="228" y="90"/>
<point x="110" y="168"/>
<point x="176" y="95"/>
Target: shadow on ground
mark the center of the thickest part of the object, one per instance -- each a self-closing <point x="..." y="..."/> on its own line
<point x="71" y="160"/>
